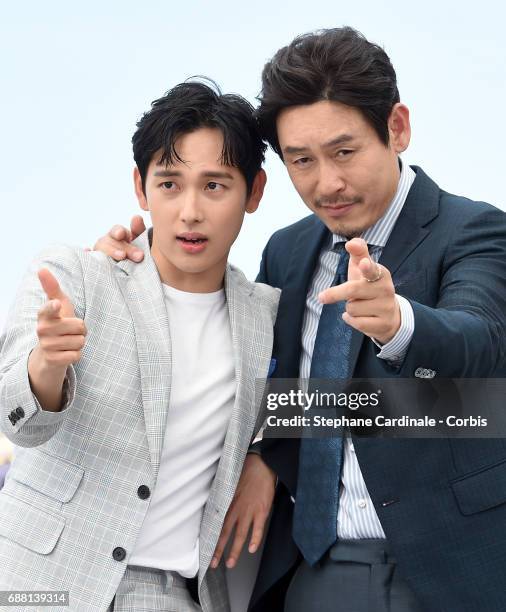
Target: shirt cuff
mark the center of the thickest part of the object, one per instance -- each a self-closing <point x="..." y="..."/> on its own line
<point x="395" y="350"/>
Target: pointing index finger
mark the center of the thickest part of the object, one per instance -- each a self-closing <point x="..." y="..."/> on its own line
<point x="357" y="248"/>
<point x="338" y="293"/>
<point x="49" y="284"/>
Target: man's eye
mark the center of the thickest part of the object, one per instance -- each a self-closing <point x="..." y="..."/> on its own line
<point x="302" y="161"/>
<point x="169" y="185"/>
<point x="213" y="186"/>
<point x="344" y="152"/>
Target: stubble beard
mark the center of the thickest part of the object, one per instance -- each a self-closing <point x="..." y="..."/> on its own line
<point x="341" y="227"/>
<point x="346" y="231"/>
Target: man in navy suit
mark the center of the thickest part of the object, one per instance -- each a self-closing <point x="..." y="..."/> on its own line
<point x="390" y="277"/>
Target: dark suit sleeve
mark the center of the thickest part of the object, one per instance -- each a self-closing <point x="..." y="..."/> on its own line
<point x="464" y="335"/>
<point x="262" y="276"/>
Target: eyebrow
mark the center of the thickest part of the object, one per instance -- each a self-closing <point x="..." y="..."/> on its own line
<point x="342" y="139"/>
<point x="207" y="174"/>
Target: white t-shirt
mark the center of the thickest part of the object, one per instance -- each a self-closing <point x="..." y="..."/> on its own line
<point x="201" y="400"/>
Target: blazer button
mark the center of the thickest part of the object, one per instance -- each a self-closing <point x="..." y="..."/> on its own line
<point x="118" y="554"/>
<point x="143" y="492"/>
<point x="13" y="417"/>
<point x="20" y="412"/>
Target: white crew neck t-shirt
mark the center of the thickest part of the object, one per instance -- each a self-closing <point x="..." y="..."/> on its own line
<point x="201" y="401"/>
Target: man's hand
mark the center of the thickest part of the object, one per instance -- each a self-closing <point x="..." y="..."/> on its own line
<point x="250" y="508"/>
<point x="61" y="338"/>
<point x="371" y="305"/>
<point x="116" y="243"/>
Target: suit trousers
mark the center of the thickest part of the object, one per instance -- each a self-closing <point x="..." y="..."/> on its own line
<point x="353" y="576"/>
<point x="143" y="589"/>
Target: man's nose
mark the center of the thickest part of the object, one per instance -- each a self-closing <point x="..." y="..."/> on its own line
<point x="191" y="211"/>
<point x="330" y="180"/>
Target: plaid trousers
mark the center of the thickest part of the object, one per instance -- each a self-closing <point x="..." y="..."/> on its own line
<point x="143" y="589"/>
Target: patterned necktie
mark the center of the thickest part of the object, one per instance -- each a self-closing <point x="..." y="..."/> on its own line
<point x="315" y="512"/>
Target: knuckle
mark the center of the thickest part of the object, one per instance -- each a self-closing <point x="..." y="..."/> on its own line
<point x="52" y="358"/>
<point x="351" y="308"/>
<point x="79" y="326"/>
<point x="263" y="510"/>
<point x="389" y="289"/>
<point x="74" y="356"/>
<point x="45" y="344"/>
<point x="41" y="329"/>
<point x="259" y="528"/>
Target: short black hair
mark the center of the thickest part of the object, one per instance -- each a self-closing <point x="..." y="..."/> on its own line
<point x="337" y="64"/>
<point x="192" y="105"/>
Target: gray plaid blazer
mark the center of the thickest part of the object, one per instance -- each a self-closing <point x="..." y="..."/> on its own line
<point x="69" y="507"/>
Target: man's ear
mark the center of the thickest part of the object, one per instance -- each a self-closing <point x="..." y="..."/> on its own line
<point x="399" y="128"/>
<point x="139" y="192"/>
<point x="257" y="191"/>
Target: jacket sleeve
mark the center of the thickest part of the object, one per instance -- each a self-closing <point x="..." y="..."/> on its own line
<point x="465" y="334"/>
<point x="22" y="419"/>
<point x="263" y="276"/>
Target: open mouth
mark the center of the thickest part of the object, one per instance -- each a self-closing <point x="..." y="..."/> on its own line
<point x="191" y="240"/>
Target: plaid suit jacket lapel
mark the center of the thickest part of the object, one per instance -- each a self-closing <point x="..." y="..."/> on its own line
<point x="140" y="283"/>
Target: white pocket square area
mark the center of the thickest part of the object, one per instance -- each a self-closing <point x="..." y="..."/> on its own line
<point x="424" y="373"/>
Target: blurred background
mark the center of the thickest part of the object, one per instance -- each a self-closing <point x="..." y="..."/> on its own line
<point x="75" y="77"/>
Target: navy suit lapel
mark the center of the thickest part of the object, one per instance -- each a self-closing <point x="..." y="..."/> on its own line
<point x="420" y="207"/>
<point x="288" y="329"/>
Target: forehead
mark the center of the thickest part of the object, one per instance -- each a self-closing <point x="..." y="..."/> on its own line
<point x="319" y="123"/>
<point x="201" y="149"/>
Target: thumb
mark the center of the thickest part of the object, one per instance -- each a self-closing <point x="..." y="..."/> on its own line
<point x="357" y="248"/>
<point x="52" y="289"/>
<point x="137" y="226"/>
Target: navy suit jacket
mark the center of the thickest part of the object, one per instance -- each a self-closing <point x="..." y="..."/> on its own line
<point x="441" y="502"/>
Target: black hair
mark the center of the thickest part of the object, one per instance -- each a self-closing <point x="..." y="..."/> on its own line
<point x="337" y="64"/>
<point x="192" y="105"/>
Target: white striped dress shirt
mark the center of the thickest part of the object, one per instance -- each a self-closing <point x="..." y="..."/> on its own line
<point x="357" y="517"/>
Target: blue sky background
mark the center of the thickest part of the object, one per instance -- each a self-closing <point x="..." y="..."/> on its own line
<point x="75" y="77"/>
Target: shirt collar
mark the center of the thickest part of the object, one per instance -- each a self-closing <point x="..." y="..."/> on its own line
<point x="379" y="233"/>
